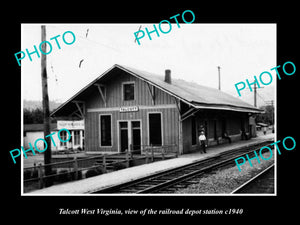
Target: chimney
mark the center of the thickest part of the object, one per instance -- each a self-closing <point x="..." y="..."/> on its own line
<point x="168" y="76"/>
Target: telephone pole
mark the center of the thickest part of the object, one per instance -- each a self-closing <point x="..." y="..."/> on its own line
<point x="46" y="111"/>
<point x="255" y="94"/>
<point x="255" y="88"/>
<point x="271" y="103"/>
<point x="219" y="68"/>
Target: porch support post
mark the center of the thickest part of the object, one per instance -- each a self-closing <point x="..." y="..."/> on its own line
<point x="180" y="142"/>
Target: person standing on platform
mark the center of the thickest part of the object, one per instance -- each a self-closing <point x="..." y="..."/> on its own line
<point x="264" y="130"/>
<point x="202" y="141"/>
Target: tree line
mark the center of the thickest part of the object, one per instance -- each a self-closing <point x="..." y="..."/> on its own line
<point x="31" y="116"/>
<point x="267" y="117"/>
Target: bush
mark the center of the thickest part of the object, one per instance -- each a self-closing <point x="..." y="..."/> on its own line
<point x="79" y="175"/>
<point x="118" y="166"/>
<point x="92" y="173"/>
<point x="35" y="174"/>
<point x="53" y="171"/>
<point x="27" y="174"/>
<point x="64" y="176"/>
<point x="48" y="181"/>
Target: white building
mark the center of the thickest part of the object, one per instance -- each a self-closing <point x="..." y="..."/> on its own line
<point x="32" y="132"/>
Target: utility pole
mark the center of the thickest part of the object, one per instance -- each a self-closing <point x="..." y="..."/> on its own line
<point x="46" y="111"/>
<point x="255" y="94"/>
<point x="255" y="103"/>
<point x="273" y="116"/>
<point x="271" y="103"/>
<point x="219" y="68"/>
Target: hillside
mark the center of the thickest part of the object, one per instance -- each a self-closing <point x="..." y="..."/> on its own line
<point x="32" y="104"/>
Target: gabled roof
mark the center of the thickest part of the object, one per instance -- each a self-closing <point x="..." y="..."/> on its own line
<point x="193" y="94"/>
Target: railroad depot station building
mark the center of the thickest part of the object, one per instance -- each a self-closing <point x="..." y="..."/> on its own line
<point x="125" y="108"/>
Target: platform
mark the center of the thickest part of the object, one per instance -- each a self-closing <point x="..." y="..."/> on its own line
<point x="93" y="184"/>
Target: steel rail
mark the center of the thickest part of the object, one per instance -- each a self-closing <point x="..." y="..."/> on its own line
<point x="192" y="170"/>
<point x="245" y="185"/>
<point x="188" y="176"/>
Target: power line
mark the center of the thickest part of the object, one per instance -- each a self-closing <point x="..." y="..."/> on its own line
<point x="88" y="39"/>
<point x="261" y="97"/>
<point x="137" y="34"/>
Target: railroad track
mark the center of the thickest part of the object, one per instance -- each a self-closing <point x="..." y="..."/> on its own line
<point x="262" y="183"/>
<point x="182" y="176"/>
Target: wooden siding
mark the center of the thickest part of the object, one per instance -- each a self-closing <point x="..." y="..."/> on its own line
<point x="169" y="127"/>
<point x="164" y="103"/>
<point x="114" y="94"/>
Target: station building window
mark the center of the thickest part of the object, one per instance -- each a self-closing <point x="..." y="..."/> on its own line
<point x="105" y="130"/>
<point x="128" y="91"/>
<point x="155" y="133"/>
<point x="63" y="136"/>
<point x="76" y="137"/>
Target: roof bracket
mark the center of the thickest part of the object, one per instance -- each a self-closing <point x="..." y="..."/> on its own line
<point x="178" y="105"/>
<point x="151" y="89"/>
<point x="102" y="91"/>
<point x="189" y="113"/>
<point x="81" y="108"/>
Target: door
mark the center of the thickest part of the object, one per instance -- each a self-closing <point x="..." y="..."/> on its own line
<point x="130" y="136"/>
<point x="136" y="136"/>
<point x="123" y="136"/>
<point x="224" y="128"/>
<point x="215" y="130"/>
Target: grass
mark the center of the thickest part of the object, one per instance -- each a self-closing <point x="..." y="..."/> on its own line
<point x="224" y="181"/>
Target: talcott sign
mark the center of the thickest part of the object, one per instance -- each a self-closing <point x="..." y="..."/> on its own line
<point x="129" y="109"/>
<point x="70" y="125"/>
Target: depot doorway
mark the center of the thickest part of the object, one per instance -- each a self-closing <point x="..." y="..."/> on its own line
<point x="130" y="136"/>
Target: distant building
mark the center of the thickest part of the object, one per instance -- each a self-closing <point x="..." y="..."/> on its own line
<point x="125" y="108"/>
<point x="259" y="126"/>
<point x="31" y="132"/>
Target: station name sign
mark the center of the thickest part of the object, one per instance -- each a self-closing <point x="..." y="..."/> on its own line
<point x="129" y="109"/>
<point x="70" y="124"/>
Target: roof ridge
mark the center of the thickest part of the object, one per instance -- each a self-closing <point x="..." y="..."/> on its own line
<point x="193" y="86"/>
<point x="189" y="92"/>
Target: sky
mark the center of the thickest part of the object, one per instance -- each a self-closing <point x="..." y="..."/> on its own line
<point x="192" y="52"/>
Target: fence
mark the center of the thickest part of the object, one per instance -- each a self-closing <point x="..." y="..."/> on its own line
<point x="34" y="177"/>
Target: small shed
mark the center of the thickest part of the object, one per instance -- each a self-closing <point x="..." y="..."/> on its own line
<point x="32" y="132"/>
<point x="259" y="126"/>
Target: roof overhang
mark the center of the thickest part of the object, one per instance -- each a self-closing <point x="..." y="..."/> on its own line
<point x="226" y="107"/>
